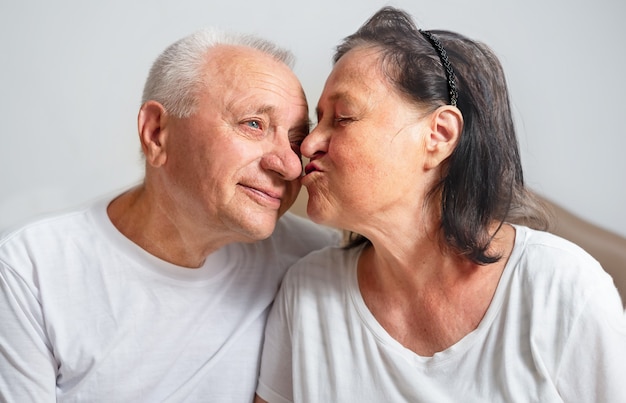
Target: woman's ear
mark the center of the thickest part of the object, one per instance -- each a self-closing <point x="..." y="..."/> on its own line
<point x="446" y="125"/>
<point x="152" y="125"/>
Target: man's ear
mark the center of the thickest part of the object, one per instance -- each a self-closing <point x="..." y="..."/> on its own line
<point x="446" y="125"/>
<point x="152" y="125"/>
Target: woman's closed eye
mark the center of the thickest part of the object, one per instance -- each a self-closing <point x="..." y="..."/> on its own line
<point x="343" y="120"/>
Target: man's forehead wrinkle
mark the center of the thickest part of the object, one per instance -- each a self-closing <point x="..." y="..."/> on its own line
<point x="244" y="93"/>
<point x="256" y="86"/>
<point x="259" y="71"/>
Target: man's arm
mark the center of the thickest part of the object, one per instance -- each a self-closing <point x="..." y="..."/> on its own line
<point x="27" y="366"/>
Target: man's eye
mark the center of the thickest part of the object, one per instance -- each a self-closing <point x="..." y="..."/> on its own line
<point x="296" y="142"/>
<point x="295" y="146"/>
<point x="255" y="124"/>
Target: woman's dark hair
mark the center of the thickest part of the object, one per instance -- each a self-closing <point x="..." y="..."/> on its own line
<point x="482" y="181"/>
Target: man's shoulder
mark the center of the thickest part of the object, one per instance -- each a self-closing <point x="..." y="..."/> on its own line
<point x="45" y="230"/>
<point x="295" y="237"/>
<point x="294" y="228"/>
<point x="42" y="225"/>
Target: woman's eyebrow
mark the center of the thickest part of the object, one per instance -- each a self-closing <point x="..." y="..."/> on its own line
<point x="344" y="96"/>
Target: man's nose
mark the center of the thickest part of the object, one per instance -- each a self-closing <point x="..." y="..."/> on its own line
<point x="282" y="159"/>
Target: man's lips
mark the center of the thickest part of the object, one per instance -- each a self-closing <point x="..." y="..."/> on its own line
<point x="264" y="195"/>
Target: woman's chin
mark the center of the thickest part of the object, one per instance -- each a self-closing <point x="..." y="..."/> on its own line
<point x="318" y="214"/>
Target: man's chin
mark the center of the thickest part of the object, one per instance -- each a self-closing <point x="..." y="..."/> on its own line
<point x="257" y="236"/>
<point x="260" y="227"/>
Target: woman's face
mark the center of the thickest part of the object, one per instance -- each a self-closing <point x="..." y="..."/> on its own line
<point x="366" y="150"/>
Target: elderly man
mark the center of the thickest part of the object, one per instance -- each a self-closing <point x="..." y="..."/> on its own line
<point x="162" y="292"/>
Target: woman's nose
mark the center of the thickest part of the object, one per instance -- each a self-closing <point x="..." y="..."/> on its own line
<point x="314" y="143"/>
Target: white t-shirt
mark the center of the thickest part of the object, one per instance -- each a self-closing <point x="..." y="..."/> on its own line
<point x="555" y="331"/>
<point x="87" y="315"/>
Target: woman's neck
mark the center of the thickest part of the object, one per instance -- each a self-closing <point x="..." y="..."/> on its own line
<point x="426" y="296"/>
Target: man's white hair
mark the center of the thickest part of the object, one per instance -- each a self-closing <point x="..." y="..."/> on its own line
<point x="177" y="72"/>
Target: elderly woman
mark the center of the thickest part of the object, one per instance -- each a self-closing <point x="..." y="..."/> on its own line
<point x="439" y="296"/>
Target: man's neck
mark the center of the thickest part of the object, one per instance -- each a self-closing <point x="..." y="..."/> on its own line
<point x="142" y="219"/>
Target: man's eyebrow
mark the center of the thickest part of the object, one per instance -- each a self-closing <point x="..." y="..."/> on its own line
<point x="265" y="109"/>
<point x="239" y="109"/>
<point x="250" y="109"/>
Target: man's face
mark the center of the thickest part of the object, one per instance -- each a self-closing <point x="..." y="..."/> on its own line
<point x="234" y="165"/>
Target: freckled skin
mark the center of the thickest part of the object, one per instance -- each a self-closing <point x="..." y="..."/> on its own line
<point x="374" y="158"/>
<point x="369" y="163"/>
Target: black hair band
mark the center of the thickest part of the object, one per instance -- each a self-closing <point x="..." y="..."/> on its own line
<point x="443" y="56"/>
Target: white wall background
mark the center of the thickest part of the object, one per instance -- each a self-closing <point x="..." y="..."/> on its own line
<point x="72" y="72"/>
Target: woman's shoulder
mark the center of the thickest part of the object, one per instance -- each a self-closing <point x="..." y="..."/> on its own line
<point x="548" y="264"/>
<point x="551" y="249"/>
